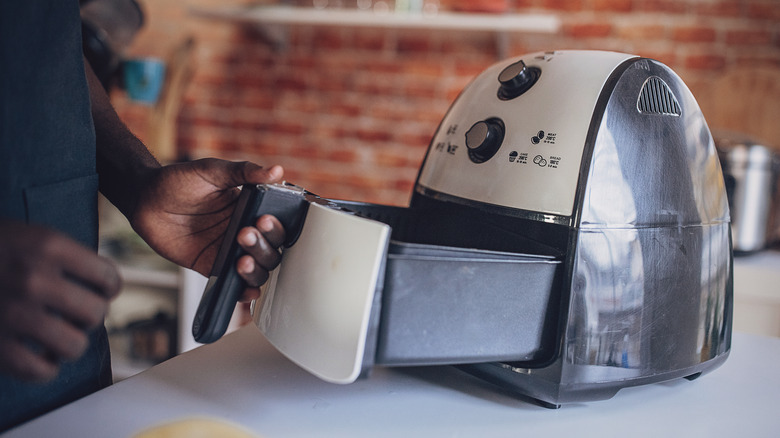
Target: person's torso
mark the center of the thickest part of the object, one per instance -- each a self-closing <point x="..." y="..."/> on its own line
<point x="47" y="139"/>
<point x="47" y="167"/>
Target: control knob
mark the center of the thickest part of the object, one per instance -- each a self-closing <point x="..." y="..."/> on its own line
<point x="484" y="138"/>
<point x="516" y="79"/>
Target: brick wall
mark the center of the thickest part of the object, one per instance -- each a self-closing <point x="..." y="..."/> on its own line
<point x="349" y="112"/>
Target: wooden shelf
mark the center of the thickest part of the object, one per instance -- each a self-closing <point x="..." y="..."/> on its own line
<point x="289" y="15"/>
<point x="273" y="20"/>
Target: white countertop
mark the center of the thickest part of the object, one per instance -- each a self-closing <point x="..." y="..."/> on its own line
<point x="758" y="274"/>
<point x="242" y="379"/>
<point x="757" y="293"/>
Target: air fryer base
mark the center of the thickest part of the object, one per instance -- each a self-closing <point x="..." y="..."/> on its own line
<point x="553" y="395"/>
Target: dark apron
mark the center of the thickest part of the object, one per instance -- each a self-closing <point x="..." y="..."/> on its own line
<point x="47" y="168"/>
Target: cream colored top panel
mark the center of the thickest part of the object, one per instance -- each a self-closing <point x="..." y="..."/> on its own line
<point x="537" y="165"/>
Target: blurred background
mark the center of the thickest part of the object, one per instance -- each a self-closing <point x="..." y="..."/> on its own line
<point x="349" y="111"/>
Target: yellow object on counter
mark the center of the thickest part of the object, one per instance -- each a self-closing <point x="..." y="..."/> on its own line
<point x="196" y="428"/>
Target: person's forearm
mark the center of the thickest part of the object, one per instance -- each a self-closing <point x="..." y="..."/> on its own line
<point x="123" y="162"/>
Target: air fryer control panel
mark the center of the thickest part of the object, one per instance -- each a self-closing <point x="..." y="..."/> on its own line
<point x="515" y="136"/>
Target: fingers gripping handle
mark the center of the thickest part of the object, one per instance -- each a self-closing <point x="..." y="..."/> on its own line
<point x="223" y="290"/>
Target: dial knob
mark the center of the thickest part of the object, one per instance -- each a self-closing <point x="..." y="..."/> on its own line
<point x="516" y="79"/>
<point x="484" y="138"/>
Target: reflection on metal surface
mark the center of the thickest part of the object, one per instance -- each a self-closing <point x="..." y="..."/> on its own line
<point x="653" y="255"/>
<point x="609" y="285"/>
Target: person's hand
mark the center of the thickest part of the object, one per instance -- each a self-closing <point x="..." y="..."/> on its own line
<point x="184" y="210"/>
<point x="52" y="292"/>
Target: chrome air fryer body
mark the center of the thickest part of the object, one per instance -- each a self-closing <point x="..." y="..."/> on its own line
<point x="568" y="236"/>
<point x="605" y="160"/>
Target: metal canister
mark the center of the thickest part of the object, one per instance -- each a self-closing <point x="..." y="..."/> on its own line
<point x="751" y="173"/>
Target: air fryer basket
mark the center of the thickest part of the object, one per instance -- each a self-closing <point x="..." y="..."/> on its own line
<point x="452" y="295"/>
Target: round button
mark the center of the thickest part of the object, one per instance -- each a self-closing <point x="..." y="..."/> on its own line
<point x="484" y="138"/>
<point x="516" y="79"/>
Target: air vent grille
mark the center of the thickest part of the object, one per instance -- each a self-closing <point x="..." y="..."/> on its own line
<point x="657" y="98"/>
